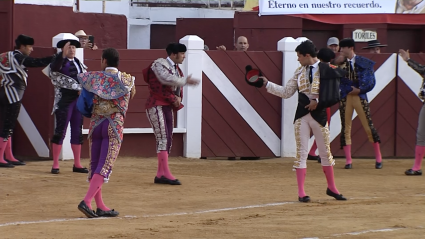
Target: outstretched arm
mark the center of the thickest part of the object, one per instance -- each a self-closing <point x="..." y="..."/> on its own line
<point x="33" y="62"/>
<point x="282" y="91"/>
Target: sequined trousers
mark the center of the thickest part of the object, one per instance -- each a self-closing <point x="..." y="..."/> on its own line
<point x="104" y="149"/>
<point x="346" y="109"/>
<point x="302" y="127"/>
<point x="162" y="122"/>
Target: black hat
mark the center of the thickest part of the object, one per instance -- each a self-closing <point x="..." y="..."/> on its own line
<point x="373" y="44"/>
<point x="325" y="55"/>
<point x="73" y="42"/>
<point x="252" y="77"/>
<point x="347" y="42"/>
<point x="175" y="48"/>
<point x="24" y="40"/>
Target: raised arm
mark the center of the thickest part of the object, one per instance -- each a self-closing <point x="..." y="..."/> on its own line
<point x="416" y="66"/>
<point x="57" y="63"/>
<point x="165" y="75"/>
<point x="413" y="64"/>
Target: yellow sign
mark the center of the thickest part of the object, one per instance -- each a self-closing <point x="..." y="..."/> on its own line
<point x="250" y="4"/>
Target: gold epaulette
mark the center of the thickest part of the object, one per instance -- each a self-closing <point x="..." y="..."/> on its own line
<point x="128" y="81"/>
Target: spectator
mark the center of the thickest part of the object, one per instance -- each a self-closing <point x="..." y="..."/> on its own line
<point x="333" y="44"/>
<point x="84" y="40"/>
<point x="374" y="46"/>
<point x="240" y="45"/>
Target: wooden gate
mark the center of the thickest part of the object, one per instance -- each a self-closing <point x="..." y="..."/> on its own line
<point x="408" y="107"/>
<point x="224" y="131"/>
<point x="238" y="120"/>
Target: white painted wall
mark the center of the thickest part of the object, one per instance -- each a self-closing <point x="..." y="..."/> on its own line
<point x="139" y="19"/>
<point x="163" y="15"/>
<point x="170" y="14"/>
<point x="114" y="7"/>
<point x="66" y="3"/>
<point x="139" y="36"/>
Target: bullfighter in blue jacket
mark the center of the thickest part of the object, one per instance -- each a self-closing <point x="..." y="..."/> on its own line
<point x="359" y="80"/>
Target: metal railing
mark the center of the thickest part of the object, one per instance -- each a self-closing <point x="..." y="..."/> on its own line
<point x="233" y="4"/>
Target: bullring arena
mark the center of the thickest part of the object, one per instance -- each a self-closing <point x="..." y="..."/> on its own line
<point x="233" y="147"/>
<point x="221" y="198"/>
<point x="217" y="199"/>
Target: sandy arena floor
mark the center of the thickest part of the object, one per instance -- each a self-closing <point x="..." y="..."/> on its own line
<point x="218" y="199"/>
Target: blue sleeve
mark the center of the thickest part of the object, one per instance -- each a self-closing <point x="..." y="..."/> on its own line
<point x="367" y="81"/>
<point x="85" y="103"/>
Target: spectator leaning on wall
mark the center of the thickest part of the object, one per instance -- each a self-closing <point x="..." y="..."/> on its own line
<point x="240" y="45"/>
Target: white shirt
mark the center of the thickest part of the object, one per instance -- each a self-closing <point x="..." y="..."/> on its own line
<point x="173" y="65"/>
<point x="111" y="68"/>
<point x="315" y="68"/>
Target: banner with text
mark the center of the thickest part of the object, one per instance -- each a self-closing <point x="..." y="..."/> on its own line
<point x="281" y="7"/>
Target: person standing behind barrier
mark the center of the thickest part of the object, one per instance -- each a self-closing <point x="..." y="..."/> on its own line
<point x="354" y="86"/>
<point x="13" y="82"/>
<point x="310" y="114"/>
<point x="241" y="44"/>
<point x="84" y="40"/>
<point x="105" y="98"/>
<point x="420" y="131"/>
<point x="333" y="44"/>
<point x="63" y="74"/>
<point x="374" y="46"/>
<point x="165" y="81"/>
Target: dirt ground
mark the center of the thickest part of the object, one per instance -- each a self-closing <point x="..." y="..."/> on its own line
<point x="217" y="199"/>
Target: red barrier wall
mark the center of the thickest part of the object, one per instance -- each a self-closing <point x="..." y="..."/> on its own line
<point x="42" y="22"/>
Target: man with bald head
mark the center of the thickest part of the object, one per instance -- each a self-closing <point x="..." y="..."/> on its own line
<point x="240" y="45"/>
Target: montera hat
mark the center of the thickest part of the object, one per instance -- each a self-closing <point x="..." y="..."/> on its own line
<point x="326" y="55"/>
<point x="373" y="44"/>
<point x="175" y="48"/>
<point x="24" y="40"/>
<point x="347" y="42"/>
<point x="252" y="77"/>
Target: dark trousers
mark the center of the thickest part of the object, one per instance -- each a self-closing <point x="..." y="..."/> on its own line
<point x="8" y="115"/>
<point x="64" y="116"/>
